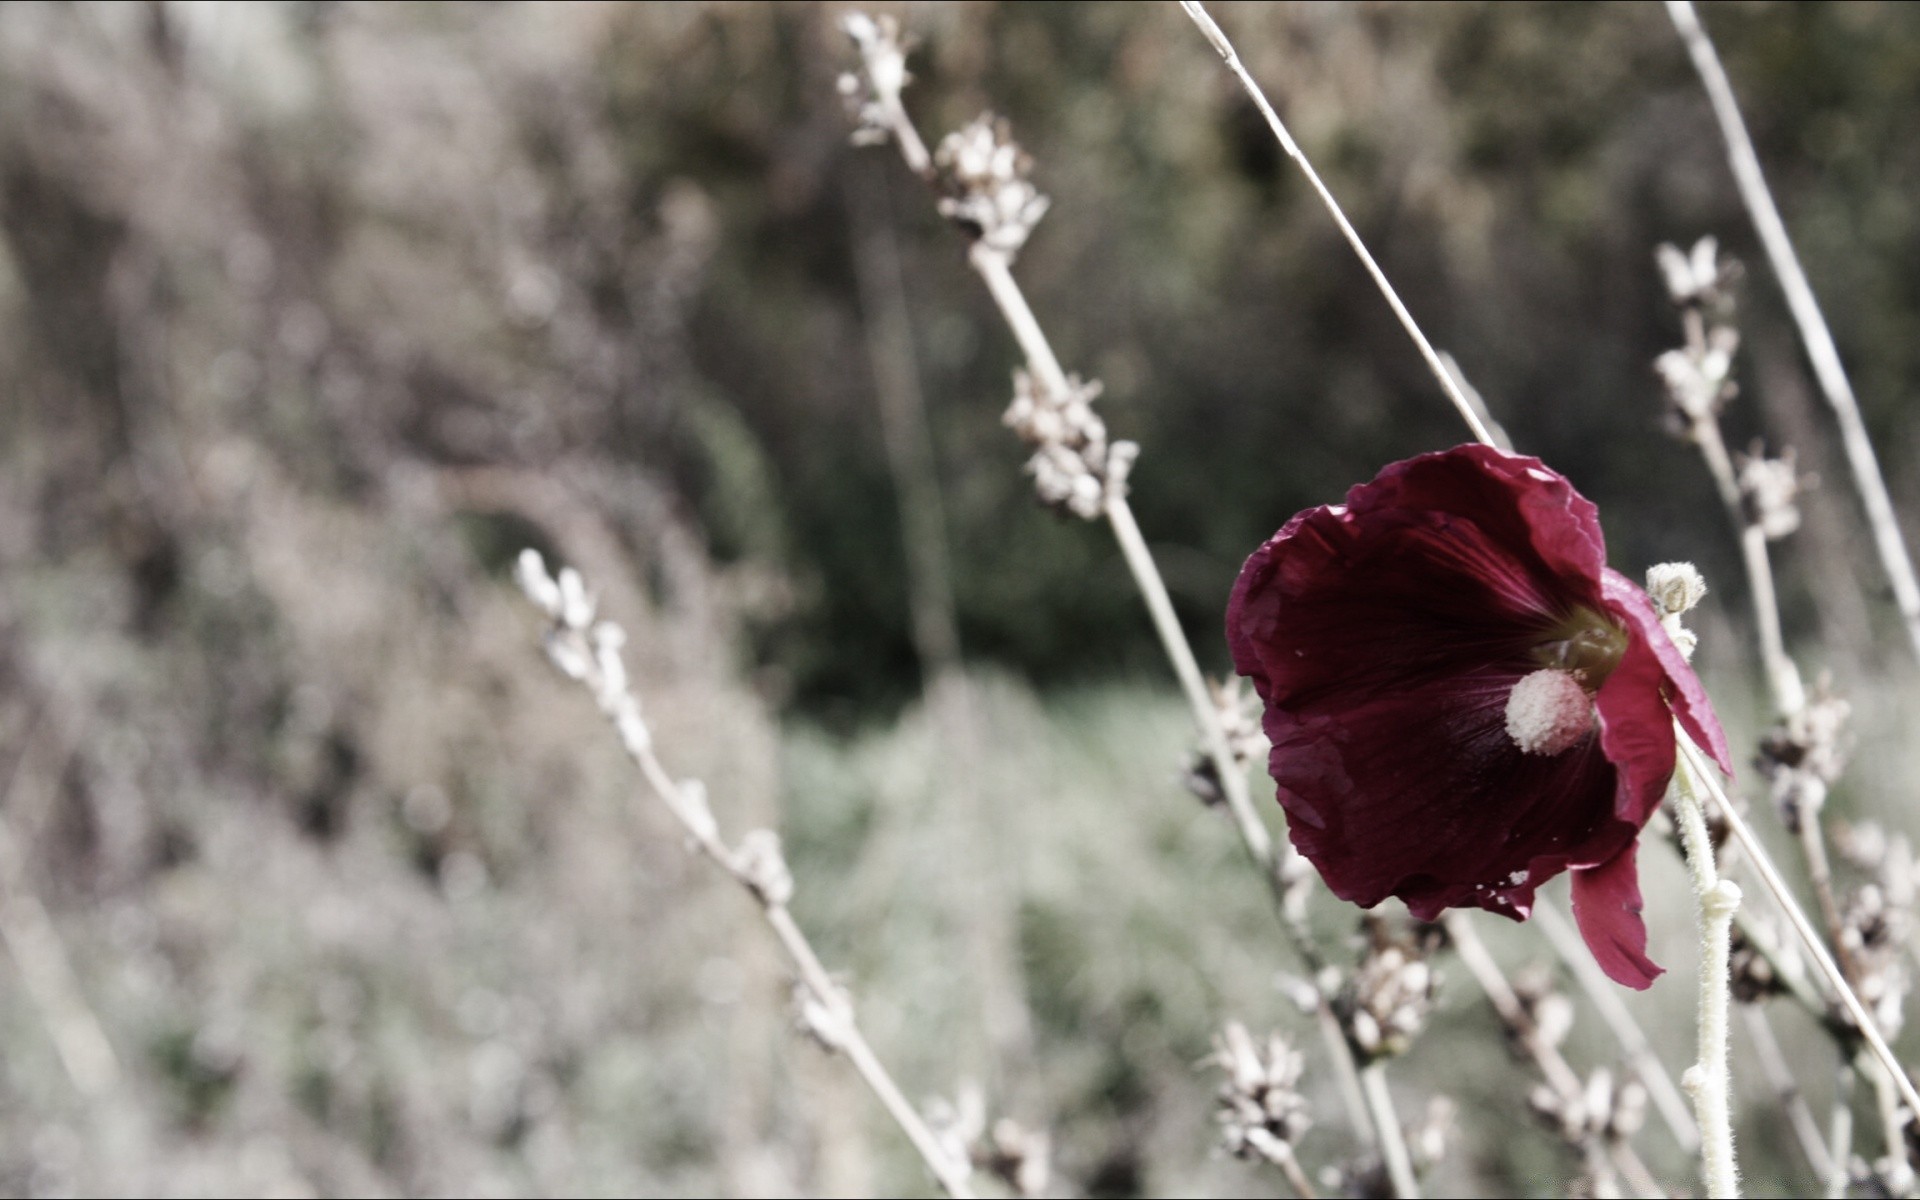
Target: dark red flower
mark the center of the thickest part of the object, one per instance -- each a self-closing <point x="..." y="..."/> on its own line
<point x="1463" y="700"/>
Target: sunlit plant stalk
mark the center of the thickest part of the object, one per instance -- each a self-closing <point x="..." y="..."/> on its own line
<point x="885" y="76"/>
<point x="1713" y="921"/>
<point x="589" y="652"/>
<point x="1811" y="322"/>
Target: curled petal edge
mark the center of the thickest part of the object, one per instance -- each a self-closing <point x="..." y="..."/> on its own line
<point x="1607" y="907"/>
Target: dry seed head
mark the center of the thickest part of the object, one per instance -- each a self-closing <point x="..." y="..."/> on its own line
<point x="983" y="172"/>
<point x="1074" y="468"/>
<point x="1387" y="1001"/>
<point x="1696" y="278"/>
<point x="761" y="865"/>
<point x="827" y="1019"/>
<point x="1806" y="752"/>
<point x="1019" y="1157"/>
<point x="1546" y="1006"/>
<point x="1260" y="1109"/>
<point x="1769" y="489"/>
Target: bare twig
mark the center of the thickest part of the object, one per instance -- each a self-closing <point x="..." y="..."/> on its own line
<point x="1665" y="1094"/>
<point x="883" y="116"/>
<point x="1218" y="40"/>
<point x="590" y="653"/>
<point x="1393" y="1150"/>
<point x="1814" y="333"/>
<point x="46" y="969"/>
<point x="1568" y="1090"/>
<point x="1779" y="1077"/>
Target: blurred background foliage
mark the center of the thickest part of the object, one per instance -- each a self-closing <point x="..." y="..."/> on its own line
<point x="312" y="315"/>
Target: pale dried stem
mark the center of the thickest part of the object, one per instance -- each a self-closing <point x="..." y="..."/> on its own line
<point x="47" y="975"/>
<point x="1840" y="1133"/>
<point x="1783" y="678"/>
<point x="1709" y="1079"/>
<point x="1665" y="1094"/>
<point x="1810" y="940"/>
<point x="1297" y="1178"/>
<point x="1779" y="1076"/>
<point x="1814" y="332"/>
<point x="949" y="694"/>
<point x="1218" y="40"/>
<point x="996" y="272"/>
<point x="847" y="1037"/>
<point x="46" y="969"/>
<point x="1393" y="1150"/>
<point x="994" y="266"/>
<point x="1560" y="1076"/>
<point x="1346" y="1072"/>
<point x="903" y="426"/>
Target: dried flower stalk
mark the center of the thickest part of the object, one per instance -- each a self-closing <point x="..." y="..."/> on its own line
<point x="983" y="177"/>
<point x="589" y="652"/>
<point x="1814" y="333"/>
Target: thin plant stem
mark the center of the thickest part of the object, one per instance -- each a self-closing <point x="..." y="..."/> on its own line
<point x="1840" y="1133"/>
<point x="1554" y="1068"/>
<point x="589" y="654"/>
<point x="1779" y="1076"/>
<point x="1393" y="1151"/>
<point x="1815" y="946"/>
<point x="1218" y="39"/>
<point x="1297" y="1178"/>
<point x="34" y="943"/>
<point x="994" y="266"/>
<point x="995" y="270"/>
<point x="1653" y="1073"/>
<point x="1708" y="1080"/>
<point x="1814" y="332"/>
<point x="1783" y="678"/>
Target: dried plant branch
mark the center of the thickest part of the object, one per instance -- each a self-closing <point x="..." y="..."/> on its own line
<point x="1393" y="1150"/>
<point x="1814" y="333"/>
<point x="589" y="652"/>
<point x="46" y="969"/>
<point x="1076" y="468"/>
<point x="1665" y="1094"/>
<point x="1779" y="1076"/>
<point x="46" y="973"/>
<point x="1218" y="39"/>
<point x="1585" y="1130"/>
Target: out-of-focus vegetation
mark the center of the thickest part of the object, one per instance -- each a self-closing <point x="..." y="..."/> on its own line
<point x="313" y="879"/>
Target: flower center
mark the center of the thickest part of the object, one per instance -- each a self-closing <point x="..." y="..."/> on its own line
<point x="1585" y="643"/>
<point x="1548" y="712"/>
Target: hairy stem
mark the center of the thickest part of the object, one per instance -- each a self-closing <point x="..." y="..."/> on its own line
<point x="1709" y="1080"/>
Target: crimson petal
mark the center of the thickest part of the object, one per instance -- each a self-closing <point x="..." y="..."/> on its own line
<point x="1386" y="635"/>
<point x="1606" y="906"/>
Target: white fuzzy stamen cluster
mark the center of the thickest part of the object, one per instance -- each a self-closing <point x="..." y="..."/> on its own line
<point x="1548" y="712"/>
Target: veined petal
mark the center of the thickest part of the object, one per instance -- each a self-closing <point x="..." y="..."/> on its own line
<point x="1606" y="907"/>
<point x="1386" y="637"/>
